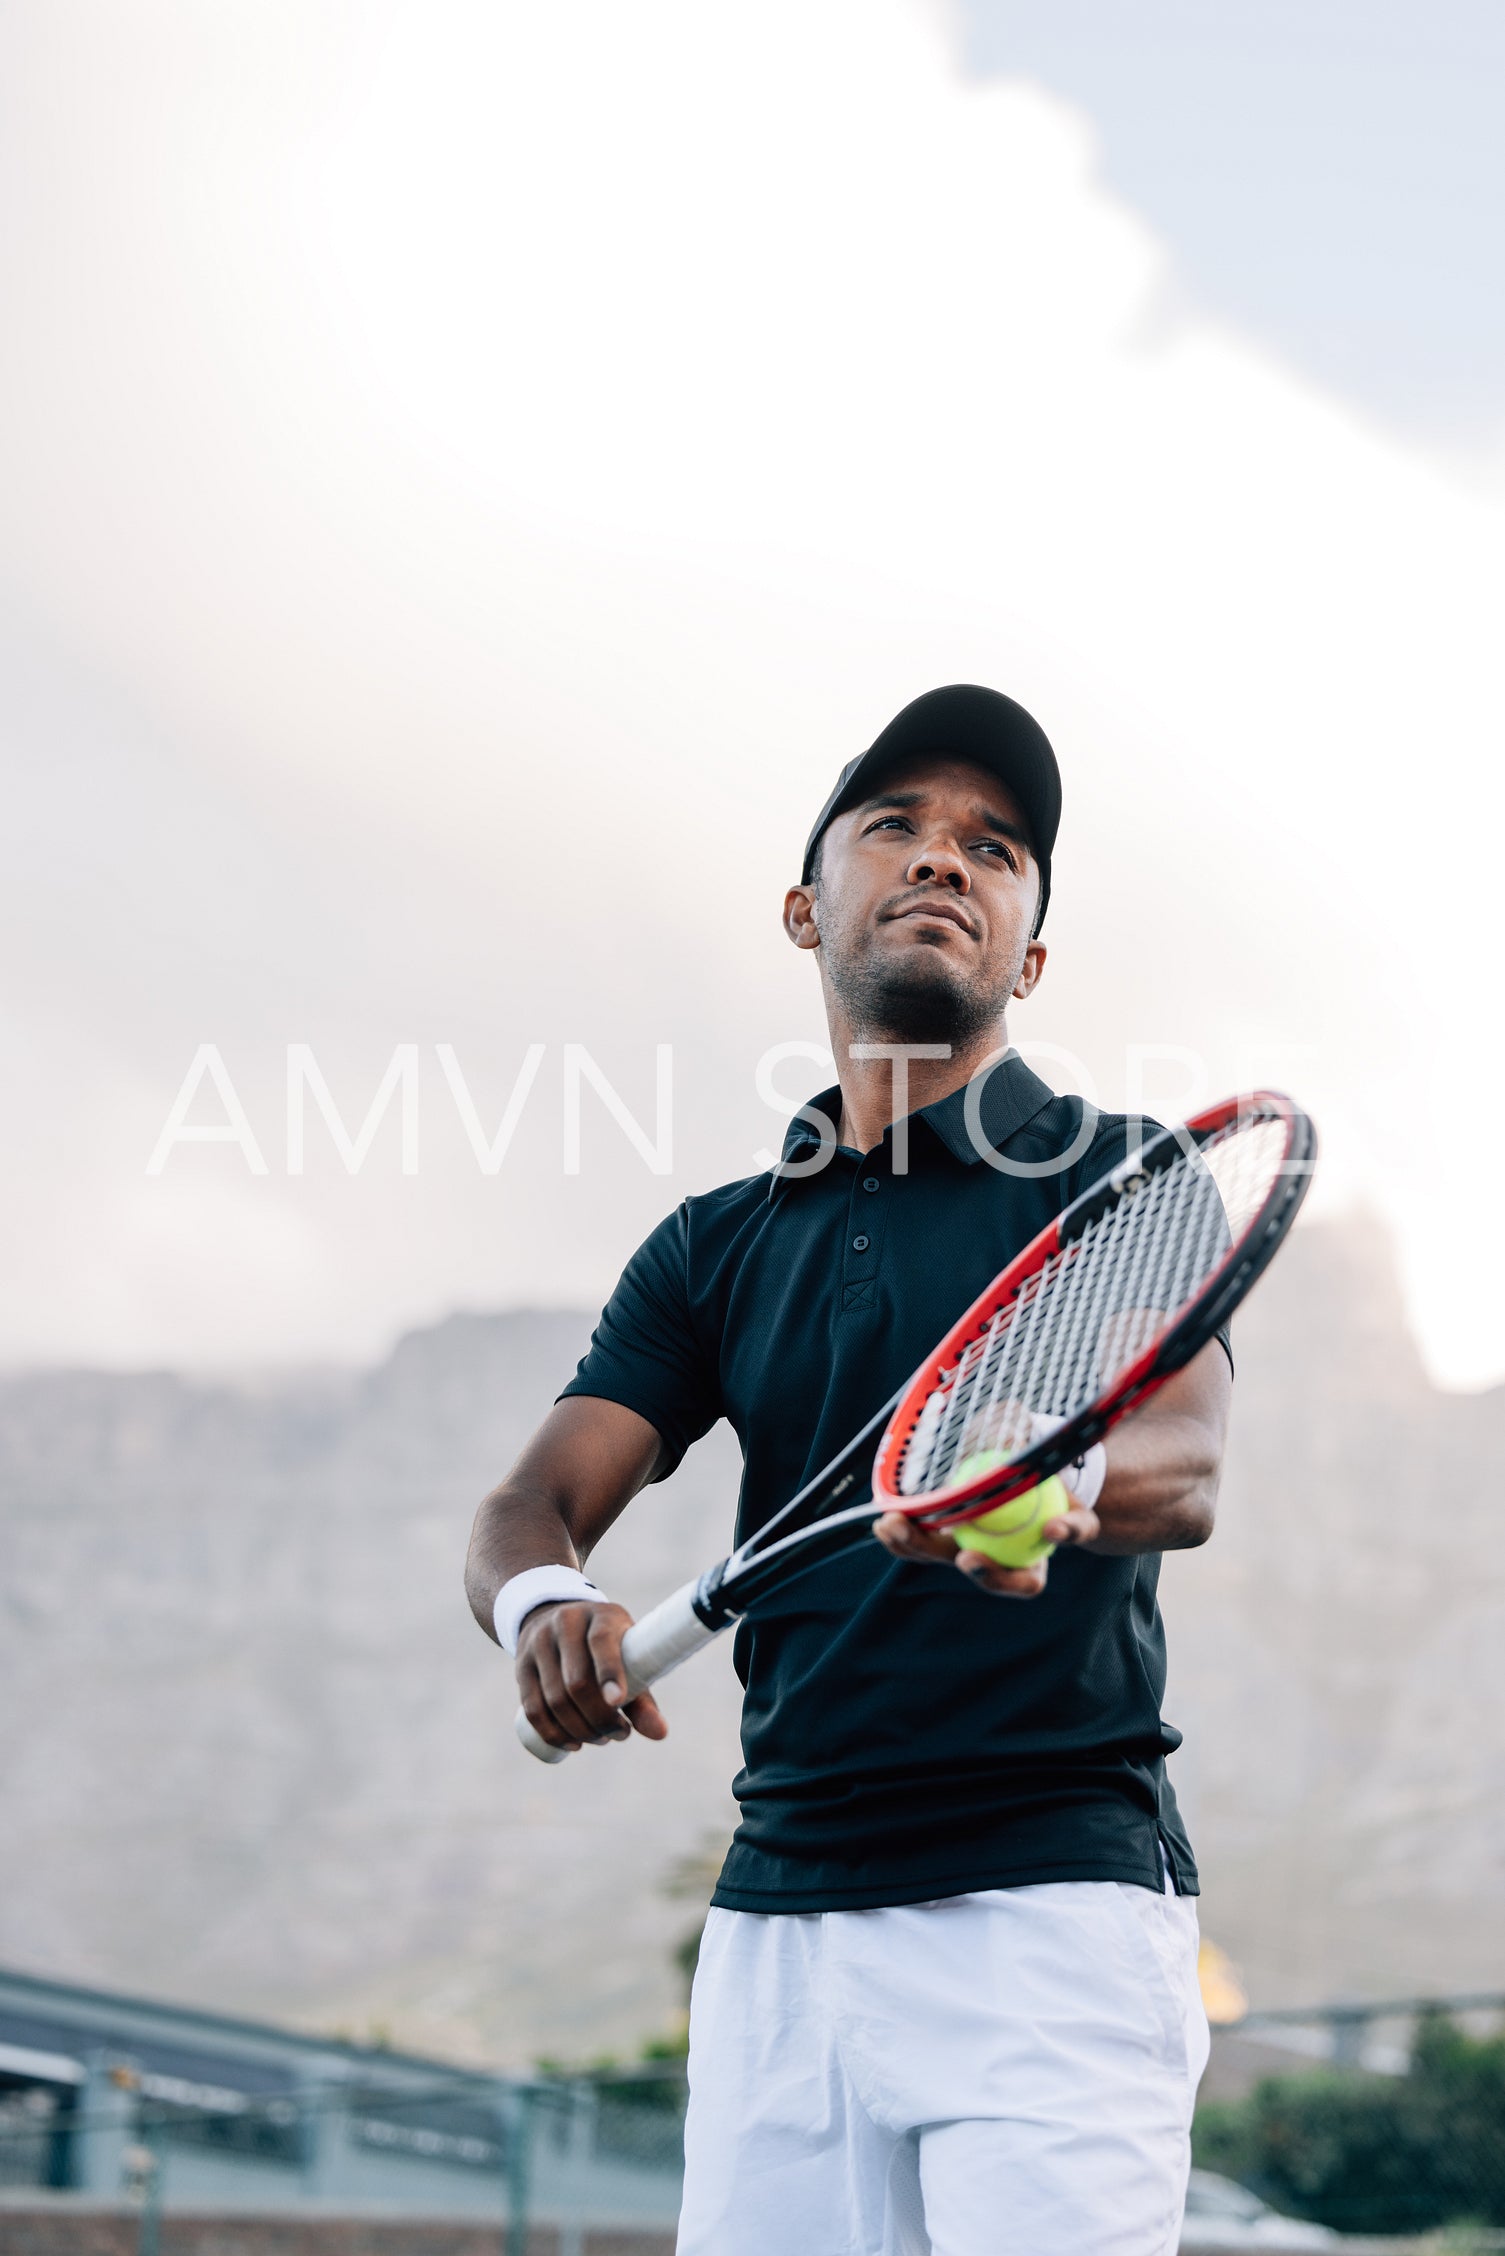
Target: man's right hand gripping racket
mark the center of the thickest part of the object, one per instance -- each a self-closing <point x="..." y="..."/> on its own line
<point x="1112" y="1298"/>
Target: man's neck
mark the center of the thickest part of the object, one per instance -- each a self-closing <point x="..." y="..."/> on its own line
<point x="878" y="1089"/>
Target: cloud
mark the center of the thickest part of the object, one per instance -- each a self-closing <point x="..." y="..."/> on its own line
<point x="475" y="472"/>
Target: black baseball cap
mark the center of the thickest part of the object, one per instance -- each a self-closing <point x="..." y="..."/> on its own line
<point x="969" y="723"/>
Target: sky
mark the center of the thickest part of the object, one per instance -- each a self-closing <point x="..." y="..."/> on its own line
<point x="1328" y="177"/>
<point x="473" y="473"/>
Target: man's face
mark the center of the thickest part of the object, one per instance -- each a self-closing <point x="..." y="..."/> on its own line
<point x="924" y="905"/>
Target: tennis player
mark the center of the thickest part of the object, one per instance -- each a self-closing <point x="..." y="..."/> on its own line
<point x="947" y="1995"/>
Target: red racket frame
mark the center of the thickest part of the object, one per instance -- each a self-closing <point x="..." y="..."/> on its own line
<point x="1166" y="1354"/>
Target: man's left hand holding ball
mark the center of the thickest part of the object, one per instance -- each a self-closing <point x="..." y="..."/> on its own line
<point x="1011" y="1556"/>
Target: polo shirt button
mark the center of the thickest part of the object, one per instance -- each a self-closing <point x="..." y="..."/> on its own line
<point x="870" y="1182"/>
<point x="860" y="1245"/>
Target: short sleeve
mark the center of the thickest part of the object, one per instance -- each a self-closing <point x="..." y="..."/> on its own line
<point x="646" y="1353"/>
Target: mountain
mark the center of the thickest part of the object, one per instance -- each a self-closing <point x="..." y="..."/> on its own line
<point x="257" y="1755"/>
<point x="1338" y="1650"/>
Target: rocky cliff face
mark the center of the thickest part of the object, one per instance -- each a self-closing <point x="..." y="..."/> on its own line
<point x="1338" y="1650"/>
<point x="256" y="1754"/>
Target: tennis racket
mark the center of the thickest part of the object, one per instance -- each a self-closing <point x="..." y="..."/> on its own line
<point x="1097" y="1312"/>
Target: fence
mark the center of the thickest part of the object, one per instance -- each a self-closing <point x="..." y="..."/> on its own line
<point x="1376" y="2120"/>
<point x="570" y="2153"/>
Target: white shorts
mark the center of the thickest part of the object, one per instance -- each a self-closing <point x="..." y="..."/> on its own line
<point x="1003" y="2074"/>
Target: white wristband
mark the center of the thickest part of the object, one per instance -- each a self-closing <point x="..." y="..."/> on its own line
<point x="1083" y="1478"/>
<point x="535" y="1586"/>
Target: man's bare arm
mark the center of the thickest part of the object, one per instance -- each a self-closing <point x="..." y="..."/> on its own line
<point x="582" y="1468"/>
<point x="1162" y="1484"/>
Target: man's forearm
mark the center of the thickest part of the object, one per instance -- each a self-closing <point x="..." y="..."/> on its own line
<point x="518" y="1526"/>
<point x="1161" y="1487"/>
<point x="586" y="1462"/>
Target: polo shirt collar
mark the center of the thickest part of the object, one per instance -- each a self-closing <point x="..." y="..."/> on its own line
<point x="1010" y="1096"/>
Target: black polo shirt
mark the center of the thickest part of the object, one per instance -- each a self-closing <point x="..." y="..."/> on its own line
<point x="906" y="1736"/>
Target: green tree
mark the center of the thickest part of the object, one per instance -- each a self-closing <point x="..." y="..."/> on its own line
<point x="1369" y="2153"/>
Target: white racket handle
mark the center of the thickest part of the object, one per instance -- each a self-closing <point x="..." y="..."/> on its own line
<point x="653" y="1646"/>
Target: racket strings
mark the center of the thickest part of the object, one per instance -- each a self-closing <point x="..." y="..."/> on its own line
<point x="1011" y="1343"/>
<point x="1094" y="1306"/>
<point x="1244" y="1161"/>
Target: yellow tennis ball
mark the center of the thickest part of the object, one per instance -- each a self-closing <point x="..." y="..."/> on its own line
<point x="1010" y="1534"/>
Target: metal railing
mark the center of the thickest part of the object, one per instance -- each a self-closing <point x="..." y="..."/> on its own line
<point x="603" y="2150"/>
<point x="1390" y="2119"/>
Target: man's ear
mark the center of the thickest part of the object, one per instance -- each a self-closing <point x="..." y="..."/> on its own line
<point x="800" y="916"/>
<point x="1029" y="976"/>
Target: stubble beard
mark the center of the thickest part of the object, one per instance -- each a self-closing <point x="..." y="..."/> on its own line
<point x="920" y="998"/>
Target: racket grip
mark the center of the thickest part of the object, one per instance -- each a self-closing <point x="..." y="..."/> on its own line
<point x="653" y="1646"/>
